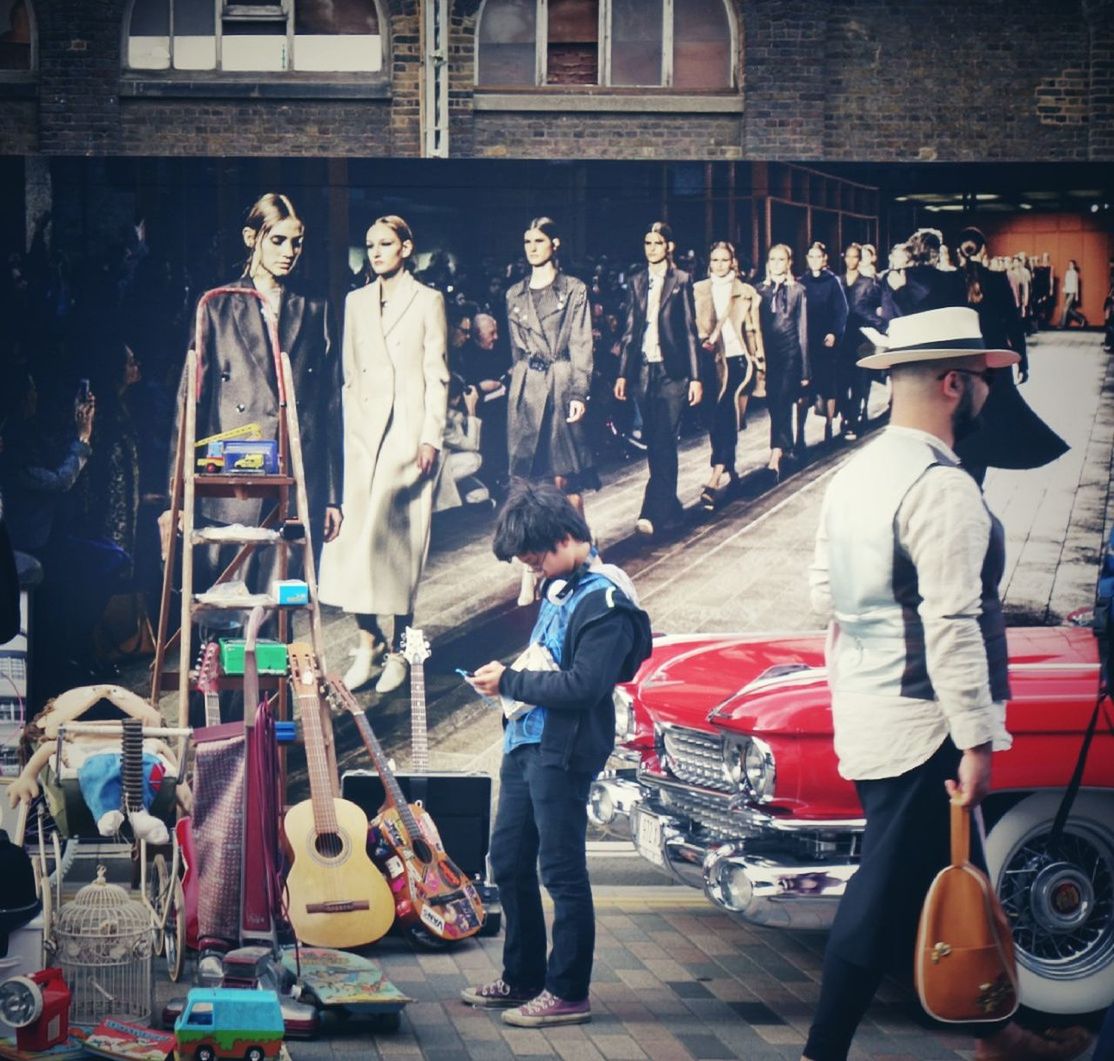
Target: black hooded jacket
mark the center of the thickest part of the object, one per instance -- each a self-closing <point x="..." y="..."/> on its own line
<point x="607" y="639"/>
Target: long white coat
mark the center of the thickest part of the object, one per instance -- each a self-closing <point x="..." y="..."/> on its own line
<point x="396" y="390"/>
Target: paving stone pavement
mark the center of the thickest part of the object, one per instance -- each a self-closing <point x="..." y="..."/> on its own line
<point x="675" y="978"/>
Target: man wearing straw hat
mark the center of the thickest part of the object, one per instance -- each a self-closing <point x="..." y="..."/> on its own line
<point x="907" y="563"/>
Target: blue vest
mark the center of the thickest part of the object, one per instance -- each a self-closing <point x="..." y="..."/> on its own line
<point x="549" y="630"/>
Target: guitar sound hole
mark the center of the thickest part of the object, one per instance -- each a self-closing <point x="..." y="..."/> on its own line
<point x="329" y="845"/>
<point x="421" y="850"/>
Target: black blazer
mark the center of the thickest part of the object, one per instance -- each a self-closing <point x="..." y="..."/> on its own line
<point x="676" y="326"/>
<point x="239" y="386"/>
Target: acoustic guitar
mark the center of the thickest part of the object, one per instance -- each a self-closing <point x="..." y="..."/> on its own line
<point x="429" y="889"/>
<point x="335" y="895"/>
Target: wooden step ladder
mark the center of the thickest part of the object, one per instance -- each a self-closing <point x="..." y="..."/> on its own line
<point x="188" y="485"/>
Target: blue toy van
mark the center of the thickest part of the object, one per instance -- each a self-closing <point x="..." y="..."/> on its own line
<point x="222" y="1023"/>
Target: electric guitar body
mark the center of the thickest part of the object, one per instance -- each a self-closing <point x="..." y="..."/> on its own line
<point x="429" y="889"/>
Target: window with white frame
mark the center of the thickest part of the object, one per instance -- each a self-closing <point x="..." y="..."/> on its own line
<point x="681" y="44"/>
<point x="314" y="36"/>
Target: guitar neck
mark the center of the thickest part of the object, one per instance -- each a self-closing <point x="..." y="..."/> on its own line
<point x="419" y="730"/>
<point x="212" y="709"/>
<point x="317" y="763"/>
<point x="391" y="786"/>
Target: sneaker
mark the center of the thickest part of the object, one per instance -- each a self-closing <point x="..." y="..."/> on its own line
<point x="548" y="1009"/>
<point x="496" y="995"/>
<point x="644" y="526"/>
<point x="364" y="660"/>
<point x="395" y="673"/>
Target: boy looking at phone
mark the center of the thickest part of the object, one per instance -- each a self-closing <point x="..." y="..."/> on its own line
<point x="590" y="624"/>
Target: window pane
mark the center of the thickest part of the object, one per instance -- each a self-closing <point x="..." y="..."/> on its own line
<point x="701" y="45"/>
<point x="194" y="18"/>
<point x="338" y="53"/>
<point x="357" y="17"/>
<point x="253" y="46"/>
<point x="573" y="54"/>
<point x="636" y="42"/>
<point x="149" y="35"/>
<point x="508" y="33"/>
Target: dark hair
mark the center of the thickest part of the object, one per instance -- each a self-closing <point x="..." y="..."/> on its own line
<point x="853" y="246"/>
<point x="663" y="229"/>
<point x="545" y="225"/>
<point x="266" y="212"/>
<point x="924" y="246"/>
<point x="534" y="519"/>
<point x="971" y="235"/>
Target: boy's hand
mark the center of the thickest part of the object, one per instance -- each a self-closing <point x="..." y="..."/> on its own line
<point x="486" y="678"/>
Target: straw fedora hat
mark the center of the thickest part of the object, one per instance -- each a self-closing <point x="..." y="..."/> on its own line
<point x="934" y="335"/>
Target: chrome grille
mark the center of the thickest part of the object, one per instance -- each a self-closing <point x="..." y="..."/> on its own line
<point x="707" y="811"/>
<point x="696" y="757"/>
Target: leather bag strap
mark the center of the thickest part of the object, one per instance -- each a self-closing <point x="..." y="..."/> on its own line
<point x="961" y="835"/>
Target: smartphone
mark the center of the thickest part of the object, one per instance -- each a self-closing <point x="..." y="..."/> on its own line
<point x="465" y="673"/>
<point x="83" y="392"/>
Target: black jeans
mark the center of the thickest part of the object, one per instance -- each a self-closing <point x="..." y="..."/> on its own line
<point x="662" y="401"/>
<point x="905" y="844"/>
<point x="542" y="820"/>
<point x="724" y="429"/>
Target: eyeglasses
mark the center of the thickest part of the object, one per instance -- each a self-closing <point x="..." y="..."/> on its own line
<point x="986" y="374"/>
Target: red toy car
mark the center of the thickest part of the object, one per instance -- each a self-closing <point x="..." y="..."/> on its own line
<point x="735" y="790"/>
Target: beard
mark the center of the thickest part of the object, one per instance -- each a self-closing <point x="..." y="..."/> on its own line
<point x="965" y="421"/>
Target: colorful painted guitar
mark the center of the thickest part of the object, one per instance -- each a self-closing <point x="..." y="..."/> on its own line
<point x="335" y="895"/>
<point x="428" y="887"/>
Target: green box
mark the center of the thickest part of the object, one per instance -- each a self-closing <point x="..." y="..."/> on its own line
<point x="270" y="656"/>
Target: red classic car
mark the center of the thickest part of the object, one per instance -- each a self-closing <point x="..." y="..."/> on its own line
<point x="735" y="789"/>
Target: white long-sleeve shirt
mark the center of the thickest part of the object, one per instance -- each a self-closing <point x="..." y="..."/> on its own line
<point x="942" y="524"/>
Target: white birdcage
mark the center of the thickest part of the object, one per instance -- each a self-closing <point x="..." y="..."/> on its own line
<point x="105" y="943"/>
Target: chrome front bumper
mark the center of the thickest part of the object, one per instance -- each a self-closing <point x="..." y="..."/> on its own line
<point x="610" y="801"/>
<point x="759" y="889"/>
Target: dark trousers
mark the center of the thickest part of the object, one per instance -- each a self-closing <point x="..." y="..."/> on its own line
<point x="724" y="429"/>
<point x="542" y="820"/>
<point x="783" y="388"/>
<point x="662" y="401"/>
<point x="905" y="844"/>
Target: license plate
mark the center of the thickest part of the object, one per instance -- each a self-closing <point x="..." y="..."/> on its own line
<point x="647" y="838"/>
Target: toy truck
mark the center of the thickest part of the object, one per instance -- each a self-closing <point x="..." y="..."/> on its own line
<point x="229" y="1024"/>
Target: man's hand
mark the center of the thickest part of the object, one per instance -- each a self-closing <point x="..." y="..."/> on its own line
<point x="471" y="398"/>
<point x="333" y="519"/>
<point x="427" y="457"/>
<point x="621" y="389"/>
<point x="709" y="345"/>
<point x="829" y="339"/>
<point x="576" y="411"/>
<point x="973" y="782"/>
<point x="696" y="391"/>
<point x="164" y="532"/>
<point x="486" y="679"/>
<point x="83" y="415"/>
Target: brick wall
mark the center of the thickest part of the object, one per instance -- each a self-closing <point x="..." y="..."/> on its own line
<point x="958" y="81"/>
<point x="857" y="80"/>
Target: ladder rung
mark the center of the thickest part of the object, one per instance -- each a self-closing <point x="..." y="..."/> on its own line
<point x="206" y="537"/>
<point x="240" y="485"/>
<point x="197" y="607"/>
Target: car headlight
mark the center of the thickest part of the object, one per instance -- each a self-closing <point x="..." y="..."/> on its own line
<point x="749" y="765"/>
<point x="624" y="714"/>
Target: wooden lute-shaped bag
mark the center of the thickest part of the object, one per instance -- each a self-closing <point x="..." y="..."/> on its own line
<point x="964" y="964"/>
